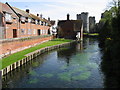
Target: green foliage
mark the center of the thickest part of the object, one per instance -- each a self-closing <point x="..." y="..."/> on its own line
<point x="109" y="33"/>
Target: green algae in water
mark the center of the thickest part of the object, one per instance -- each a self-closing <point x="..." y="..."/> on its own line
<point x="81" y="59"/>
<point x="35" y="64"/>
<point x="82" y="76"/>
<point x="92" y="65"/>
<point x="33" y="81"/>
<point x="47" y="75"/>
<point x="65" y="76"/>
<point x="63" y="67"/>
<point x="33" y="73"/>
<point x="78" y="69"/>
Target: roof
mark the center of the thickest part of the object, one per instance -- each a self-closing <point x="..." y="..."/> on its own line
<point x="60" y="22"/>
<point x="6" y="8"/>
<point x="35" y="17"/>
<point x="77" y="24"/>
<point x="29" y="15"/>
<point x="52" y="22"/>
<point x="21" y="12"/>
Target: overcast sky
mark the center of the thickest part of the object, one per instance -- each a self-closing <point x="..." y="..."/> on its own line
<point x="58" y="9"/>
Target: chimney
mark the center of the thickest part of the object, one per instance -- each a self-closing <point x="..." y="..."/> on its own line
<point x="68" y="17"/>
<point x="41" y="15"/>
<point x="48" y="18"/>
<point x="38" y="15"/>
<point x="27" y="10"/>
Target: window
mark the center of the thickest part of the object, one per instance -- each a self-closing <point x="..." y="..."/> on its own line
<point x="41" y="31"/>
<point x="29" y="20"/>
<point x="22" y="31"/>
<point x="29" y="31"/>
<point x="36" y="22"/>
<point x="34" y="31"/>
<point x="22" y="19"/>
<point x="8" y="17"/>
<point x="46" y="24"/>
<point x="41" y="23"/>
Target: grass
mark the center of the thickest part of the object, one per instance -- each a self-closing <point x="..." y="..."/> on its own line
<point x="91" y="34"/>
<point x="20" y="55"/>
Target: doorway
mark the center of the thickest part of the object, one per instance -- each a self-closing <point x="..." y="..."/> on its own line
<point x="38" y="31"/>
<point x="14" y="33"/>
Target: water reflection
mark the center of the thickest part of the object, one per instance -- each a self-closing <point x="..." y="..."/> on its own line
<point x="111" y="70"/>
<point x="75" y="66"/>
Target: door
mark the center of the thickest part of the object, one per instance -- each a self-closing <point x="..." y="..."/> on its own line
<point x="38" y="31"/>
<point x="14" y="33"/>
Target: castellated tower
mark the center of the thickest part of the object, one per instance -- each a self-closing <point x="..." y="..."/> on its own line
<point x="84" y="17"/>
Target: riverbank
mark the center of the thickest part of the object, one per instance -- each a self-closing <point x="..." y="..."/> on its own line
<point x="75" y="65"/>
<point x="91" y="34"/>
<point x="19" y="55"/>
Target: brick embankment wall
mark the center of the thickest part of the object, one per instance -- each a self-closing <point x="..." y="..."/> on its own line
<point x="14" y="45"/>
<point x="29" y="57"/>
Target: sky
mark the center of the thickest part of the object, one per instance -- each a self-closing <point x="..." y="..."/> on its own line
<point x="58" y="9"/>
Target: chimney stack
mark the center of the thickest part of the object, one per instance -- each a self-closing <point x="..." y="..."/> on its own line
<point x="38" y="15"/>
<point x="27" y="10"/>
<point x="68" y="17"/>
<point x="48" y="18"/>
<point x="41" y="15"/>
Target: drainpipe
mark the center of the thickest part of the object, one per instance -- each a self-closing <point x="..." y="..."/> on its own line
<point x="19" y="23"/>
<point x="4" y="25"/>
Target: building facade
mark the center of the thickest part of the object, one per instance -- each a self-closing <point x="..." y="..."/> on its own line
<point x="9" y="21"/>
<point x="70" y="29"/>
<point x="92" y="25"/>
<point x="17" y="23"/>
<point x="84" y="17"/>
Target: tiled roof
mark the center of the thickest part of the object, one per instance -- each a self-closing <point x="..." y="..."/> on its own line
<point x="5" y="8"/>
<point x="67" y="23"/>
<point x="21" y="12"/>
<point x="29" y="15"/>
<point x="35" y="17"/>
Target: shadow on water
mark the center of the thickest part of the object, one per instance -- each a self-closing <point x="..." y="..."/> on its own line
<point x="111" y="70"/>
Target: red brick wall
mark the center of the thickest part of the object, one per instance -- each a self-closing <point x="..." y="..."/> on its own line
<point x="16" y="44"/>
<point x="9" y="28"/>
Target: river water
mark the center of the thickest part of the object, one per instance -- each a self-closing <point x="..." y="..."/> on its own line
<point x="75" y="66"/>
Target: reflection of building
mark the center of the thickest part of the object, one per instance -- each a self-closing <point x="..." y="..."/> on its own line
<point x="79" y="46"/>
<point x="84" y="16"/>
<point x="70" y="28"/>
<point x="92" y="24"/>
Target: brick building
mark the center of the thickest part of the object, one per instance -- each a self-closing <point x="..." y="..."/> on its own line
<point x="9" y="22"/>
<point x="69" y="29"/>
<point x="16" y="23"/>
<point x="21" y="29"/>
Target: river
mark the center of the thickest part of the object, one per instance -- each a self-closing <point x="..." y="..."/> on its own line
<point x="75" y="66"/>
